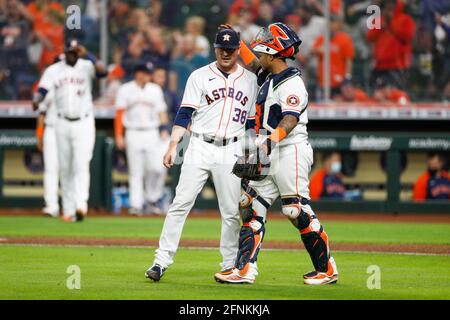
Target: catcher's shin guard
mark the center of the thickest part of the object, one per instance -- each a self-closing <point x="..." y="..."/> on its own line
<point x="314" y="239"/>
<point x="250" y="240"/>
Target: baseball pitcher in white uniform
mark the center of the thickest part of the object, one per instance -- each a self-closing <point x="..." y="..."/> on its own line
<point x="218" y="102"/>
<point x="70" y="80"/>
<point x="284" y="161"/>
<point x="141" y="109"/>
<point x="46" y="143"/>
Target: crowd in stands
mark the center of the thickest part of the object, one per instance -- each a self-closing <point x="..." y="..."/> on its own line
<point x="407" y="59"/>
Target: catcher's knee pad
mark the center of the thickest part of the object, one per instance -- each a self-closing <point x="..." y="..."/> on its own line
<point x="251" y="204"/>
<point x="291" y="207"/>
<point x="247" y="197"/>
<point x="250" y="240"/>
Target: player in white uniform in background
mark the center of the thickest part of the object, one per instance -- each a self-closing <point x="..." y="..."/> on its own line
<point x="218" y="101"/>
<point x="283" y="139"/>
<point x="46" y="143"/>
<point x="141" y="109"/>
<point x="70" y="80"/>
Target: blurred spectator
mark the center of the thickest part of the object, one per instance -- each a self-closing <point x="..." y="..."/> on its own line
<point x="335" y="6"/>
<point x="312" y="26"/>
<point x="435" y="182"/>
<point x="147" y="44"/>
<point x="14" y="64"/>
<point x="341" y="55"/>
<point x="385" y="92"/>
<point x="160" y="77"/>
<point x="185" y="59"/>
<point x="50" y="33"/>
<point x="326" y="183"/>
<point x="392" y="44"/>
<point x="196" y="26"/>
<point x="243" y="23"/>
<point x="249" y="5"/>
<point x="429" y="10"/>
<point x="441" y="63"/>
<point x="113" y="83"/>
<point x="350" y="93"/>
<point x="265" y="16"/>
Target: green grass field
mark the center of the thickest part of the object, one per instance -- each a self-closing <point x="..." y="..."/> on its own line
<point x="39" y="272"/>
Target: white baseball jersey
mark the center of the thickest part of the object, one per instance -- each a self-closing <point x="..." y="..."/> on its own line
<point x="223" y="104"/>
<point x="48" y="106"/>
<point x="281" y="94"/>
<point x="142" y="105"/>
<point x="72" y="87"/>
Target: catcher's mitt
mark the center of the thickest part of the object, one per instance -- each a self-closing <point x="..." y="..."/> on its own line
<point x="252" y="166"/>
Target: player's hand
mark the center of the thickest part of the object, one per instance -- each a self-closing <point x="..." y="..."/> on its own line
<point x="40" y="144"/>
<point x="169" y="157"/>
<point x="82" y="51"/>
<point x="120" y="143"/>
<point x="225" y="26"/>
<point x="165" y="135"/>
<point x="35" y="105"/>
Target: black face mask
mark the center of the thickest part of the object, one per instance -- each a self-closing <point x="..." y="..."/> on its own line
<point x="432" y="172"/>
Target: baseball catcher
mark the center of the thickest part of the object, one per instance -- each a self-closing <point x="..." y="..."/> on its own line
<point x="281" y="163"/>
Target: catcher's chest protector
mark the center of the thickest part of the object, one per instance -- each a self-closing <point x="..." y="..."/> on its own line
<point x="268" y="109"/>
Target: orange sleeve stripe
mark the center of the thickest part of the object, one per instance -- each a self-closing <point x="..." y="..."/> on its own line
<point x="39" y="132"/>
<point x="118" y="123"/>
<point x="278" y="135"/>
<point x="246" y="54"/>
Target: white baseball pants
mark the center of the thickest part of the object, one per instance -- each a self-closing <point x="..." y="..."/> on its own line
<point x="202" y="160"/>
<point x="76" y="141"/>
<point x="146" y="172"/>
<point x="51" y="168"/>
<point x="288" y="176"/>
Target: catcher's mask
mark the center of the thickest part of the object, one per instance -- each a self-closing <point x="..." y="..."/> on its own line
<point x="278" y="40"/>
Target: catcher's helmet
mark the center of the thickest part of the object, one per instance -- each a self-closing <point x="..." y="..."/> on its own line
<point x="277" y="39"/>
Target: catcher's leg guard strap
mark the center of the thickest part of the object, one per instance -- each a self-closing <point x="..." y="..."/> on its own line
<point x="314" y="239"/>
<point x="250" y="240"/>
<point x="249" y="195"/>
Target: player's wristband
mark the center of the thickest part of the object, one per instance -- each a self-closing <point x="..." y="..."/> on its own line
<point x="278" y="135"/>
<point x="275" y="138"/>
<point x="39" y="132"/>
<point x="246" y="54"/>
<point x="164" y="127"/>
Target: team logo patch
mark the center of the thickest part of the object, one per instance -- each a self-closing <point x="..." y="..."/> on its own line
<point x="293" y="100"/>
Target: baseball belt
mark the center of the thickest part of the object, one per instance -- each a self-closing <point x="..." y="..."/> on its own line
<point x="217" y="142"/>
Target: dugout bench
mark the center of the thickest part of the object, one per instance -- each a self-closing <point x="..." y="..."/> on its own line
<point x="389" y="199"/>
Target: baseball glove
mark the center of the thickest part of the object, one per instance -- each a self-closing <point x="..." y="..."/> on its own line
<point x="252" y="166"/>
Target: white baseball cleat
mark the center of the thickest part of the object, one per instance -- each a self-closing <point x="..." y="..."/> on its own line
<point x="49" y="212"/>
<point x="317" y="278"/>
<point x="236" y="276"/>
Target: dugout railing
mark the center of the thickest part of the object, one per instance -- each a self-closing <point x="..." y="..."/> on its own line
<point x="393" y="144"/>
